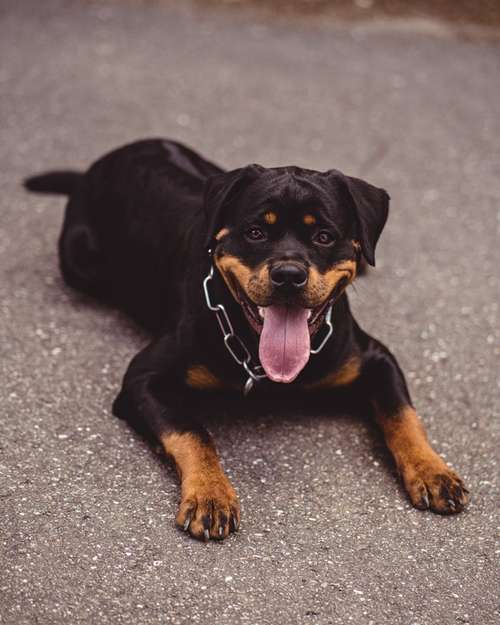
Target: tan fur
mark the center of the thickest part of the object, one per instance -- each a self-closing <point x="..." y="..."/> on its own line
<point x="320" y="285"/>
<point x="342" y="377"/>
<point x="257" y="286"/>
<point x="404" y="434"/>
<point x="270" y="217"/>
<point x="232" y="268"/>
<point x="189" y="453"/>
<point x="309" y="220"/>
<point x="205" y="489"/>
<point x="198" y="376"/>
<point x="423" y="471"/>
<point x="255" y="283"/>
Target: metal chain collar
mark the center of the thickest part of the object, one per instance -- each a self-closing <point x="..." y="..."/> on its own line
<point x="235" y="345"/>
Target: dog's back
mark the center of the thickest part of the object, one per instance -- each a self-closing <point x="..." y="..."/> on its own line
<point x="129" y="224"/>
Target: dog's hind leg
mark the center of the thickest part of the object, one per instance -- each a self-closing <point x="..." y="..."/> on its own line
<point x="81" y="259"/>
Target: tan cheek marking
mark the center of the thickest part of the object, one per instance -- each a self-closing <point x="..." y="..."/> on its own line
<point x="198" y="376"/>
<point x="309" y="220"/>
<point x="270" y="217"/>
<point x="255" y="284"/>
<point x="320" y="285"/>
<point x="344" y="376"/>
<point x="259" y="286"/>
<point x="231" y="269"/>
<point x="344" y="269"/>
<point x="222" y="233"/>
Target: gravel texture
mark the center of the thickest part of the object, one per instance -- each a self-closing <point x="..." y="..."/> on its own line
<point x="328" y="536"/>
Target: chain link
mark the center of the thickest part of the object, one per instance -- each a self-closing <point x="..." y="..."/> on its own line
<point x="232" y="341"/>
<point x="328" y="321"/>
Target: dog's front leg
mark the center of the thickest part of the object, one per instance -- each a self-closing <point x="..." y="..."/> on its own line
<point x="427" y="478"/>
<point x="154" y="397"/>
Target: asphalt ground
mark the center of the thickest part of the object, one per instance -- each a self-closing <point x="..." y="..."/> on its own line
<point x="327" y="536"/>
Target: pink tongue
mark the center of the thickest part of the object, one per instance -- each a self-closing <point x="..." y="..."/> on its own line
<point x="284" y="346"/>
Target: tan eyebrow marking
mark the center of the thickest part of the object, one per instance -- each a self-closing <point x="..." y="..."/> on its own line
<point x="222" y="233"/>
<point x="309" y="220"/>
<point x="270" y="217"/>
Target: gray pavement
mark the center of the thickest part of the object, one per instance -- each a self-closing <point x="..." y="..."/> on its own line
<point x="328" y="536"/>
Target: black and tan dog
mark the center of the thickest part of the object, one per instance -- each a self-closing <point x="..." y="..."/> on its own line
<point x="143" y="229"/>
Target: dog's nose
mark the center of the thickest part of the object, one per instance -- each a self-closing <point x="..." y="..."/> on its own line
<point x="288" y="276"/>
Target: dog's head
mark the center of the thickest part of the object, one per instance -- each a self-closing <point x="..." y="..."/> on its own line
<point x="287" y="242"/>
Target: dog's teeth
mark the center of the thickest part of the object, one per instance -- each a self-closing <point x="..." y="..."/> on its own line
<point x="262" y="311"/>
<point x="309" y="313"/>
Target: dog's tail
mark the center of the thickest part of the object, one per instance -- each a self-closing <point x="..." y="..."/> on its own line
<point x="58" y="182"/>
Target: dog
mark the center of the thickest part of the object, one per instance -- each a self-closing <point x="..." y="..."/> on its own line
<point x="241" y="276"/>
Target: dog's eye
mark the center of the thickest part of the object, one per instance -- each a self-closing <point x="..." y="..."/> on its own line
<point x="323" y="237"/>
<point x="255" y="234"/>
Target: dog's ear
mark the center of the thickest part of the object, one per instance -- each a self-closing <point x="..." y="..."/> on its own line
<point x="220" y="192"/>
<point x="371" y="205"/>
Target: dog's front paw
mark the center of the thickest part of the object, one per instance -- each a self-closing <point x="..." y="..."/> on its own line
<point x="431" y="484"/>
<point x="209" y="506"/>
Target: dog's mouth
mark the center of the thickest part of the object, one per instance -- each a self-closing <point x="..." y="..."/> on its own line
<point x="285" y="332"/>
<point x="256" y="314"/>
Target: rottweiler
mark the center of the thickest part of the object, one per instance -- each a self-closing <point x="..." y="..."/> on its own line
<point x="241" y="276"/>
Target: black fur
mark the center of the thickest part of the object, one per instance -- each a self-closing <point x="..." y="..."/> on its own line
<point x="63" y="182"/>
